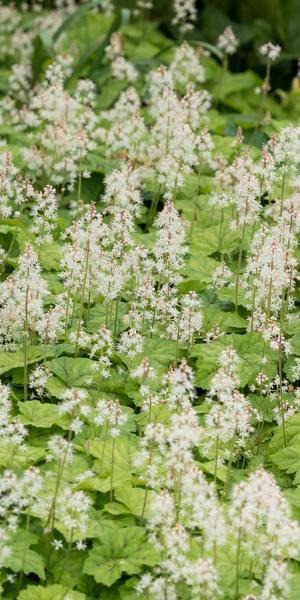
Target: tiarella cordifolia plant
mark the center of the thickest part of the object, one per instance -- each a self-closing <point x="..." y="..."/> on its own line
<point x="185" y="14"/>
<point x="258" y="514"/>
<point x="120" y="67"/>
<point x="228" y="42"/>
<point x="149" y="308"/>
<point x="44" y="214"/>
<point x="229" y="422"/>
<point x="66" y="129"/>
<point x="15" y="189"/>
<point x="186" y="67"/>
<point x="22" y="296"/>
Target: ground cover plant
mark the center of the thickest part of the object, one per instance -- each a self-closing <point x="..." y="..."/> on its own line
<point x="149" y="310"/>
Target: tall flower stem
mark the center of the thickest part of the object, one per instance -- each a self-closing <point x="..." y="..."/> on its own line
<point x="79" y="189"/>
<point x="216" y="458"/>
<point x="86" y="266"/>
<point x="253" y="306"/>
<point x="112" y="469"/>
<point x="281" y="397"/>
<point x="153" y="207"/>
<point x="25" y="550"/>
<point x="12" y="243"/>
<point x="221" y="230"/>
<point x="116" y="317"/>
<point x="146" y="488"/>
<point x="225" y="490"/>
<point x="265" y="90"/>
<point x="68" y="550"/>
<point x="51" y="515"/>
<point x="103" y="450"/>
<point x="237" y="565"/>
<point x="67" y="312"/>
<point x="282" y="187"/>
<point x="10" y="247"/>
<point x="238" y="272"/>
<point x="25" y="341"/>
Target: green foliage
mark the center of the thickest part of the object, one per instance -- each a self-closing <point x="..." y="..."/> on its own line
<point x="23" y="558"/>
<point x="250" y="348"/>
<point x="73" y="372"/>
<point x="41" y="414"/>
<point x="50" y="592"/>
<point x="121" y="550"/>
<point x="13" y="360"/>
<point x="124" y="449"/>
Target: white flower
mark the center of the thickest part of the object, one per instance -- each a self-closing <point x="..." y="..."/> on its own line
<point x="120" y="67"/>
<point x="44" y="214"/>
<point x="110" y="412"/>
<point x="185" y="14"/>
<point x="270" y="50"/>
<point x="72" y="509"/>
<point x="81" y="545"/>
<point x="38" y="379"/>
<point x="121" y="189"/>
<point x="57" y="544"/>
<point x="185" y="67"/>
<point x="227" y="41"/>
<point x="131" y="343"/>
<point x="59" y="449"/>
<point x="21" y="297"/>
<point x="259" y="510"/>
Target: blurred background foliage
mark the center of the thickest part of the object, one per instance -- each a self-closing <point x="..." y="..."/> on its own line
<point x="253" y="21"/>
<point x="150" y="40"/>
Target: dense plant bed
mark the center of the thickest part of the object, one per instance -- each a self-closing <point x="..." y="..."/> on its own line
<point x="149" y="312"/>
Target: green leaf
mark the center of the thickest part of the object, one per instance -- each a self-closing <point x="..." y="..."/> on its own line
<point x="42" y="51"/>
<point x="73" y="372"/>
<point x="209" y="467"/>
<point x="201" y="268"/>
<point x="229" y="295"/>
<point x="212" y="49"/>
<point x="134" y="499"/>
<point x="206" y="240"/>
<point x="293" y="495"/>
<point x="41" y="414"/>
<point x="296" y="344"/>
<point x="51" y="255"/>
<point x="70" y="20"/>
<point x="231" y="83"/>
<point x="121" y="550"/>
<point x="55" y="387"/>
<point x="71" y="576"/>
<point x="121" y="14"/>
<point x="250" y="348"/>
<point x="13" y="360"/>
<point x="160" y="353"/>
<point x="98" y="316"/>
<point x="292" y="435"/>
<point x="51" y="592"/>
<point x="110" y="93"/>
<point x="10" y="454"/>
<point x="294" y="587"/>
<point x="22" y="558"/>
<point x="125" y="448"/>
<point x="287" y="459"/>
<point x="225" y="320"/>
